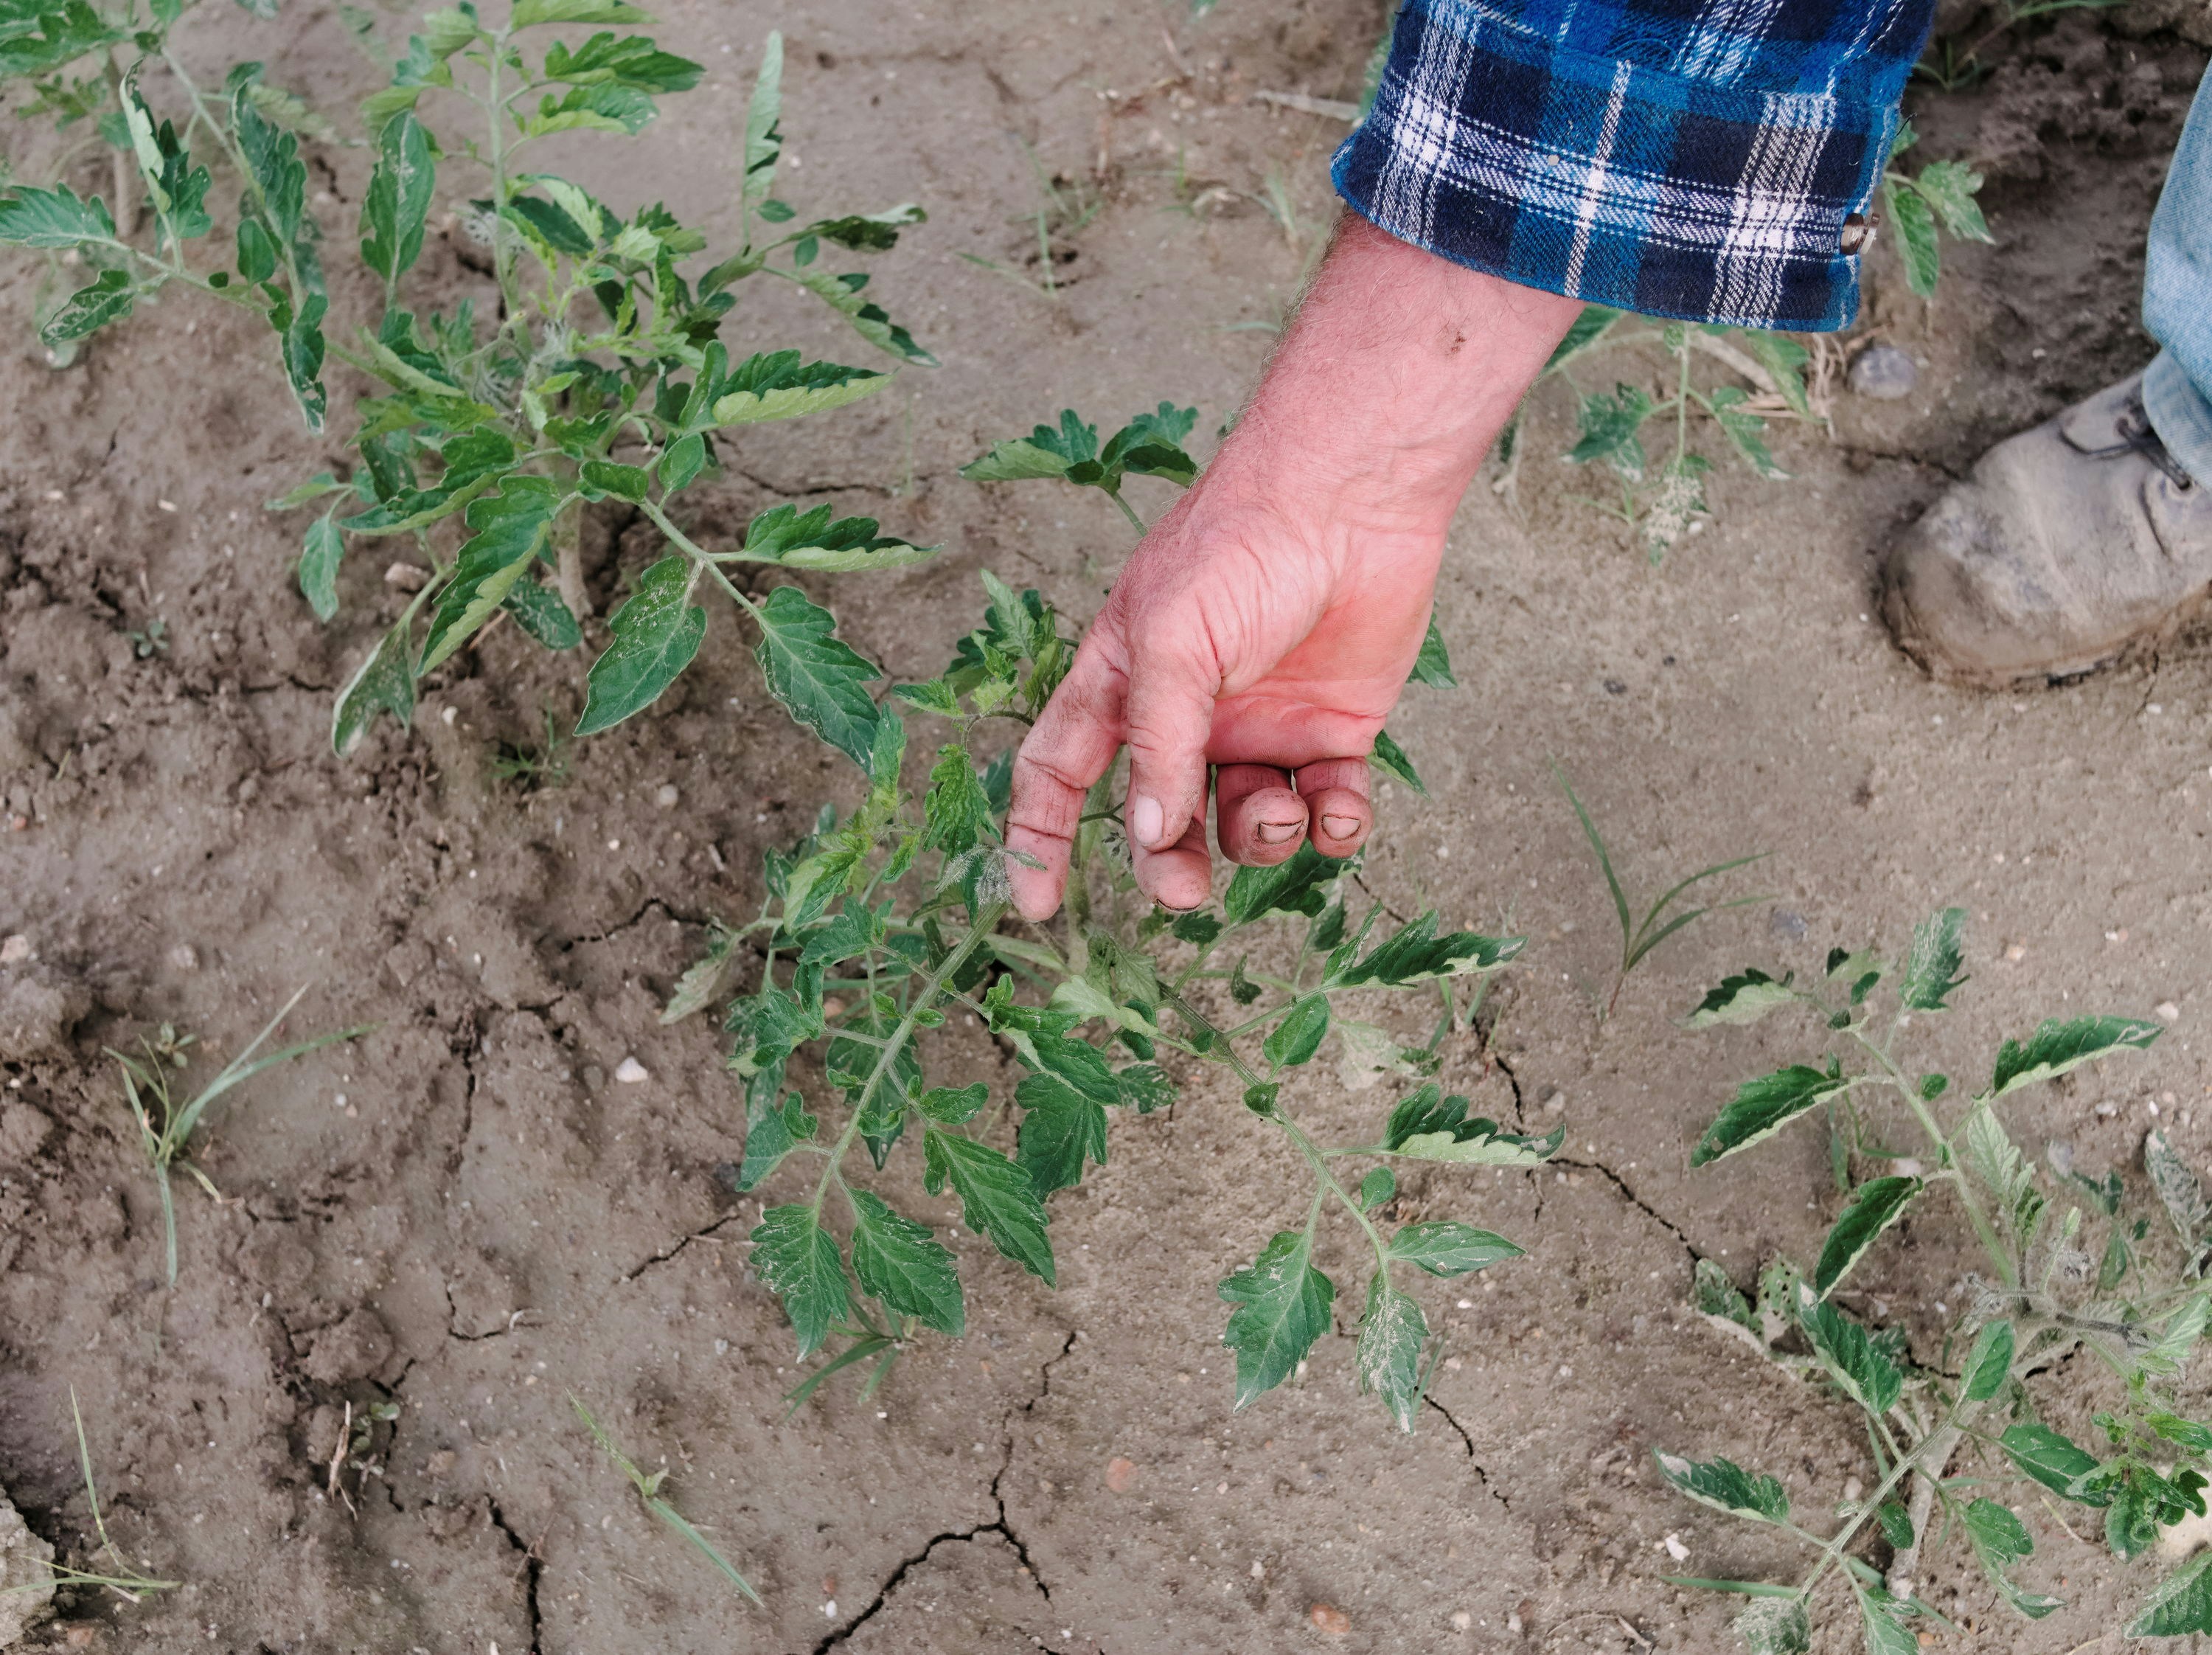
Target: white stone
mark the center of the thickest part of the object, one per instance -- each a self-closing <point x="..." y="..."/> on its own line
<point x="16" y="949"/>
<point x="629" y="1072"/>
<point x="2167" y="1011"/>
<point x="1675" y="1549"/>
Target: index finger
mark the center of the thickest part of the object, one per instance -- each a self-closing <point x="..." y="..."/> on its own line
<point x="1071" y="745"/>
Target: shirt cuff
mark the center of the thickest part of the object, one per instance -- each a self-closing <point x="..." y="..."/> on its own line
<point x="1513" y="151"/>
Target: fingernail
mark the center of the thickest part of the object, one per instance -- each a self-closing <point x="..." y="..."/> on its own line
<point x="1340" y="827"/>
<point x="1147" y="821"/>
<point x="1274" y="833"/>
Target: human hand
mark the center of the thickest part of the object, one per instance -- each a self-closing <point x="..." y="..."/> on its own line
<point x="1266" y="625"/>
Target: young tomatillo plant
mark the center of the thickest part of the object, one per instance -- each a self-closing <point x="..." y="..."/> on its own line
<point x="2134" y="1307"/>
<point x="603" y="377"/>
<point x="878" y="929"/>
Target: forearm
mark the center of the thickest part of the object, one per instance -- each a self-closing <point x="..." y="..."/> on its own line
<point x="1397" y="373"/>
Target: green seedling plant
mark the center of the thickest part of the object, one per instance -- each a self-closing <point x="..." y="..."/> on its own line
<point x="166" y="1124"/>
<point x="600" y="377"/>
<point x="1662" y="493"/>
<point x="1663" y="919"/>
<point x="1942" y="192"/>
<point x="649" y="1496"/>
<point x="2056" y="1290"/>
<point x="881" y="928"/>
<point x="125" y="1582"/>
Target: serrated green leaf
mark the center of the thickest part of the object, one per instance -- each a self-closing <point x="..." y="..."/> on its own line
<point x="997" y="1198"/>
<point x="817" y="539"/>
<point x="657" y="631"/>
<point x="318" y="566"/>
<point x="626" y="60"/>
<point x="1727" y="1487"/>
<point x="900" y="1263"/>
<point x="950" y="1107"/>
<point x="1851" y="1357"/>
<point x="1378" y="1187"/>
<point x="1295" y="1039"/>
<point x="1015" y="461"/>
<point x="773" y="1129"/>
<point x="398" y="200"/>
<point x="1874" y="1206"/>
<point x="779" y="385"/>
<point x="1289" y="887"/>
<point x="2051" y="1458"/>
<point x="107" y="298"/>
<point x="1744" y="998"/>
<point x="1482" y="1149"/>
<point x="1989" y="1363"/>
<point x="528" y="13"/>
<point x="53" y="218"/>
<point x="1448" y="1248"/>
<point x="866" y="318"/>
<point x="1931" y="970"/>
<point x="1415" y="954"/>
<point x="764" y="143"/>
<point x="2178" y="1190"/>
<point x="1282" y="1307"/>
<point x="1763" y="1107"/>
<point x="605" y="477"/>
<point x="821" y="681"/>
<point x="1609" y="425"/>
<point x="509" y="528"/>
<point x="1390" y="758"/>
<point x="1388" y="1357"/>
<point x="1746" y="429"/>
<point x="385" y="683"/>
<point x="1775" y="1625"/>
<point x="797" y="1260"/>
<point x="539" y="611"/>
<point x="45" y="37"/>
<point x="1433" y="664"/>
<point x="1062" y="1127"/>
<point x="1881" y="1617"/>
<point x="1950" y="187"/>
<point x="2056" y="1047"/>
<point x="2000" y="1540"/>
<point x="2182" y="1604"/>
<point x="1909" y="215"/>
<point x="957" y="815"/>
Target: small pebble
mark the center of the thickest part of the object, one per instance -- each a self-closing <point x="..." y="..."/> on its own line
<point x="407" y="577"/>
<point x="1675" y="1549"/>
<point x="1783" y="923"/>
<point x="185" y="957"/>
<point x="1884" y="373"/>
<point x="2016" y="952"/>
<point x="629" y="1072"/>
<point x="1120" y="1474"/>
<point x="667" y="796"/>
<point x="16" y="949"/>
<point x="1330" y="1619"/>
<point x="2167" y="1011"/>
<point x="1462" y="1619"/>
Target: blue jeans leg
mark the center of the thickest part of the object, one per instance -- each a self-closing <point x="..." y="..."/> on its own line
<point x="2177" y="304"/>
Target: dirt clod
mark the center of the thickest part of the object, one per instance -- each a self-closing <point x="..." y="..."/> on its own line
<point x="1121" y="1474"/>
<point x="1329" y="1619"/>
<point x="23" y="1560"/>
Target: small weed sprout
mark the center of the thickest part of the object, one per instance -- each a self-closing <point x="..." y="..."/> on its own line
<point x="2135" y="1308"/>
<point x="539" y="767"/>
<point x="125" y="1582"/>
<point x="1638" y="938"/>
<point x="1942" y="192"/>
<point x="649" y="1493"/>
<point x="1087" y="1006"/>
<point x="1954" y="67"/>
<point x="166" y="1125"/>
<point x="151" y="640"/>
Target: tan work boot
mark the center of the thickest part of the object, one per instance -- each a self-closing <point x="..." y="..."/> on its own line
<point x="2071" y="546"/>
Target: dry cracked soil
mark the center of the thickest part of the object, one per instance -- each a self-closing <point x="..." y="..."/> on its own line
<point x="466" y="1214"/>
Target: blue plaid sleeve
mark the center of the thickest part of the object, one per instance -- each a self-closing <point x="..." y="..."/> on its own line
<point x="1710" y="160"/>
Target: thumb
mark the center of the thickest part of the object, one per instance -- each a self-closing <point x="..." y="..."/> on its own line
<point x="1170" y="720"/>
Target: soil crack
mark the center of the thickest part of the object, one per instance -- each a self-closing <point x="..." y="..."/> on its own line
<point x="1000" y="1525"/>
<point x="1635" y="1200"/>
<point x="681" y="1241"/>
<point x="530" y="1570"/>
<point x="1452" y="1419"/>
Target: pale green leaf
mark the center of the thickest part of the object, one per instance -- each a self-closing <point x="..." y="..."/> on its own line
<point x="318" y="566"/>
<point x="1931" y="970"/>
<point x="1448" y="1248"/>
<point x="2056" y="1047"/>
<point x="1282" y="1306"/>
<point x="1744" y="998"/>
<point x="1727" y="1487"/>
<point x="797" y="1260"/>
<point x="1388" y="1357"/>
<point x="657" y="631"/>
<point x="398" y="199"/>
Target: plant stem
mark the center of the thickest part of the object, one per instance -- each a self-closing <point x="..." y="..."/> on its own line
<point x="985" y="923"/>
<point x="1946" y="1157"/>
<point x="1135" y="521"/>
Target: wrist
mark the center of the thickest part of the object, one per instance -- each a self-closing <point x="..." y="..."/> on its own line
<point x="1389" y="385"/>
